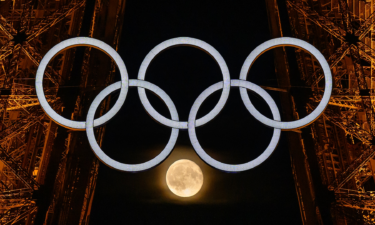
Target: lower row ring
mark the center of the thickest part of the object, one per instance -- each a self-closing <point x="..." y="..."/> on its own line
<point x="190" y="125"/>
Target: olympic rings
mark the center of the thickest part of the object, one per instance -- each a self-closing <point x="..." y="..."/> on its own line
<point x="174" y="122"/>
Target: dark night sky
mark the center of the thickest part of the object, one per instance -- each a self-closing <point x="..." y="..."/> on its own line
<point x="264" y="195"/>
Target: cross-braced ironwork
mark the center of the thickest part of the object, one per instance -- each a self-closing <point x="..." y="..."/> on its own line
<point x="343" y="31"/>
<point x="28" y="28"/>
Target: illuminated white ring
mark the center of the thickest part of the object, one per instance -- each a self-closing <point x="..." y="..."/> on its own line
<point x="70" y="43"/>
<point x="190" y="42"/>
<point x="230" y="167"/>
<point x="122" y="166"/>
<point x="286" y="41"/>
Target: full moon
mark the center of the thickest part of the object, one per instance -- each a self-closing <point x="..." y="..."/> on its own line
<point x="184" y="178"/>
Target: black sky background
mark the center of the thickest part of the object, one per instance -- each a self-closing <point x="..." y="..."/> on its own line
<point x="263" y="195"/>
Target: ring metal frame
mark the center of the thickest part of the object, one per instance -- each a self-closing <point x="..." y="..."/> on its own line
<point x="123" y="166"/>
<point x="189" y="42"/>
<point x="294" y="42"/>
<point x="174" y="122"/>
<point x="231" y="167"/>
<point x="75" y="42"/>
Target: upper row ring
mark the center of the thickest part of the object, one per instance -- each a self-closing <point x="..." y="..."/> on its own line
<point x="90" y="42"/>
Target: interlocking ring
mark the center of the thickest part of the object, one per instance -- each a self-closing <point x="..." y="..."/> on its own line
<point x="123" y="166"/>
<point x="229" y="167"/>
<point x="194" y="43"/>
<point x="75" y="42"/>
<point x="277" y="42"/>
<point x="192" y="122"/>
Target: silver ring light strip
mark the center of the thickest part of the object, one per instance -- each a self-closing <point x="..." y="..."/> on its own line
<point x="195" y="43"/>
<point x="230" y="167"/>
<point x="174" y="122"/>
<point x="122" y="166"/>
<point x="286" y="41"/>
<point x="75" y="42"/>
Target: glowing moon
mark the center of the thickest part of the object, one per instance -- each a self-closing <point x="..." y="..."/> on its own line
<point x="184" y="178"/>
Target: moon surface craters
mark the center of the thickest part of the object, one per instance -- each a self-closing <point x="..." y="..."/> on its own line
<point x="184" y="178"/>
